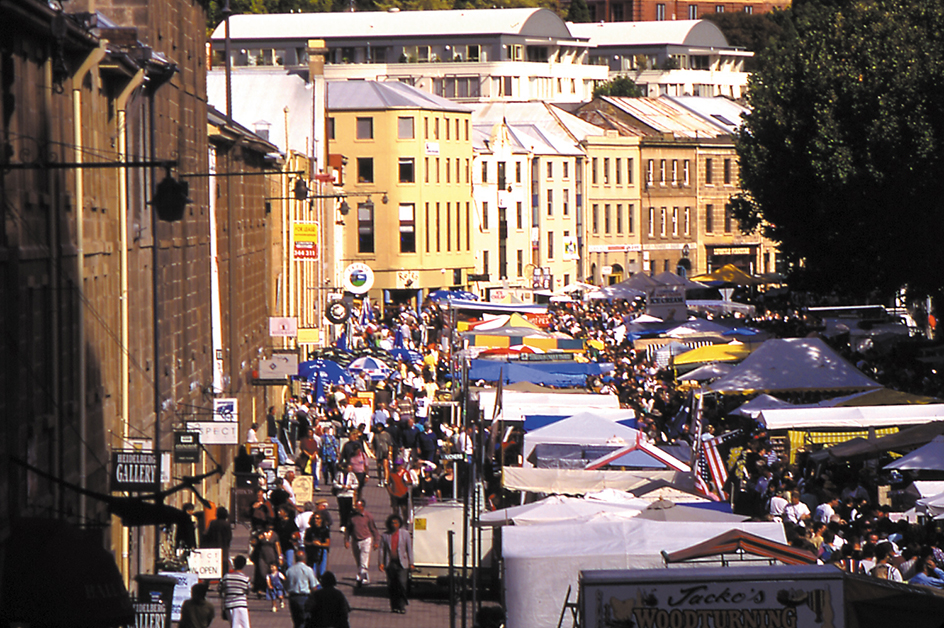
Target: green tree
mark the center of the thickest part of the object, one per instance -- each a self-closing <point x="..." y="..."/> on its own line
<point x="751" y="31"/>
<point x="842" y="156"/>
<point x="620" y="86"/>
<point x="578" y="12"/>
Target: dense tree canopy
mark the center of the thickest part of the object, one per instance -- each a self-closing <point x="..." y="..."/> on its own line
<point x="751" y="31"/>
<point x="842" y="156"/>
<point x="619" y="86"/>
<point x="578" y="12"/>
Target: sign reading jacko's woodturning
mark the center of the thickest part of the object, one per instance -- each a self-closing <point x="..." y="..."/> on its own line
<point x="135" y="471"/>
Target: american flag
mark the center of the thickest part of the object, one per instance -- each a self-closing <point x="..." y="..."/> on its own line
<point x="710" y="469"/>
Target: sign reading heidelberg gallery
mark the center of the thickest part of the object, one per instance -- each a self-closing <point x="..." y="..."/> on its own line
<point x="135" y="470"/>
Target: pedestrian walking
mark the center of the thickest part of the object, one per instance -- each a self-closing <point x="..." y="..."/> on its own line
<point x="345" y="486"/>
<point x="300" y="582"/>
<point x="275" y="588"/>
<point x="396" y="561"/>
<point x="234" y="589"/>
<point x="361" y="537"/>
<point x="318" y="543"/>
<point x="197" y="612"/>
<point x="327" y="607"/>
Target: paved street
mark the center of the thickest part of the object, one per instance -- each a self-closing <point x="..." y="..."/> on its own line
<point x="370" y="605"/>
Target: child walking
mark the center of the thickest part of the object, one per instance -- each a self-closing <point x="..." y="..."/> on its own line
<point x="275" y="587"/>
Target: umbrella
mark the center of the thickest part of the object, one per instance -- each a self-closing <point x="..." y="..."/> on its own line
<point x="728" y="274"/>
<point x="406" y="355"/>
<point x="449" y="295"/>
<point x="326" y="369"/>
<point x="342" y="358"/>
<point x="373" y="367"/>
<point x="927" y="458"/>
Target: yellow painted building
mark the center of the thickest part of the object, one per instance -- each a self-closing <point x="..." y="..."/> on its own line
<point x="405" y="162"/>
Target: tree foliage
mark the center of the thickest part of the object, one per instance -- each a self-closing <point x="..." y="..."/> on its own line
<point x="619" y="86"/>
<point x="750" y="31"/>
<point x="578" y="12"/>
<point x="842" y="156"/>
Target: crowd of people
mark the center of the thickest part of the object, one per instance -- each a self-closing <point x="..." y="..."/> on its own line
<point x="387" y="431"/>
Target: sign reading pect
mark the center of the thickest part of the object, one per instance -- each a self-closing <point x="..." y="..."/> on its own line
<point x="135" y="471"/>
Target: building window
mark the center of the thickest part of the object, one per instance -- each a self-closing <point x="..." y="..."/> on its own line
<point x="566" y="202"/>
<point x="466" y="130"/>
<point x="407" y="170"/>
<point x="709" y="218"/>
<point x="606" y="218"/>
<point x="436" y="128"/>
<point x="426" y="162"/>
<point x="631" y="218"/>
<point x="448" y="170"/>
<point x="596" y="218"/>
<point x="693" y="11"/>
<point x="448" y="226"/>
<point x="688" y="221"/>
<point x="662" y="223"/>
<point x="458" y="226"/>
<point x="660" y="12"/>
<point x="550" y="170"/>
<point x="550" y="203"/>
<point x="437" y="170"/>
<point x="728" y="220"/>
<point x="652" y="221"/>
<point x="685" y="172"/>
<point x="484" y="172"/>
<point x="426" y="128"/>
<point x="331" y="129"/>
<point x="446" y="126"/>
<point x="365" y="227"/>
<point x="566" y="167"/>
<point x="519" y="265"/>
<point x="662" y="172"/>
<point x="426" y="227"/>
<point x="749" y="10"/>
<point x="365" y="128"/>
<point x="719" y="8"/>
<point x="501" y="175"/>
<point x="593" y="171"/>
<point x="675" y="221"/>
<point x="619" y="171"/>
<point x="727" y="172"/>
<point x="405" y="128"/>
<point x="517" y="172"/>
<point x="365" y="170"/>
<point x="550" y="245"/>
<point x="458" y="169"/>
<point x="675" y="172"/>
<point x="407" y="228"/>
<point x="649" y="171"/>
<point x="606" y="170"/>
<point x="468" y="229"/>
<point x="619" y="218"/>
<point x="438" y="230"/>
<point x="519" y="215"/>
<point x="485" y="216"/>
<point x="709" y="175"/>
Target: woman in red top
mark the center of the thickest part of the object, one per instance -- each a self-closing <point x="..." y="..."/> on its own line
<point x="399" y="489"/>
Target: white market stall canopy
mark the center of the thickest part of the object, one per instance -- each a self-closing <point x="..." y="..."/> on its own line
<point x="927" y="458"/>
<point x="585" y="428"/>
<point x="542" y="561"/>
<point x="845" y="418"/>
<point x="793" y="364"/>
<point x="560" y="508"/>
<point x="516" y="405"/>
<point x="580" y="482"/>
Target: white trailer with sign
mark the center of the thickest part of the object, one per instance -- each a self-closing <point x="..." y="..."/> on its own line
<point x="809" y="596"/>
<point x="431" y="526"/>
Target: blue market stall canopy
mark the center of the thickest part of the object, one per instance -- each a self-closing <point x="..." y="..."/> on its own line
<point x="558" y="374"/>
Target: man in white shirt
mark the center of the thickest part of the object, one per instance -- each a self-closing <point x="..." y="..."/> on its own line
<point x="778" y="503"/>
<point x="826" y="510"/>
<point x="796" y="511"/>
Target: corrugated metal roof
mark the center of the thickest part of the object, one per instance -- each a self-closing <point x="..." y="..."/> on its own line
<point x="718" y="110"/>
<point x="674" y="32"/>
<point x="539" y="127"/>
<point x="253" y="102"/>
<point x="399" y="24"/>
<point x="666" y="116"/>
<point x="364" y="95"/>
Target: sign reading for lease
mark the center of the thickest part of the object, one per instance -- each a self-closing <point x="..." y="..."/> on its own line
<point x="135" y="471"/>
<point x="306" y="240"/>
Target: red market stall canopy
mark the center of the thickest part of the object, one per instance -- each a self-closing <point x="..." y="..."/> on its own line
<point x="741" y="543"/>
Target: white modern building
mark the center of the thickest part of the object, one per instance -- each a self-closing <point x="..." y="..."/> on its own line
<point x="468" y="56"/>
<point x="670" y="58"/>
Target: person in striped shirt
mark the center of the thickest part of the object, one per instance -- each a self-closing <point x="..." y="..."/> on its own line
<point x="234" y="588"/>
